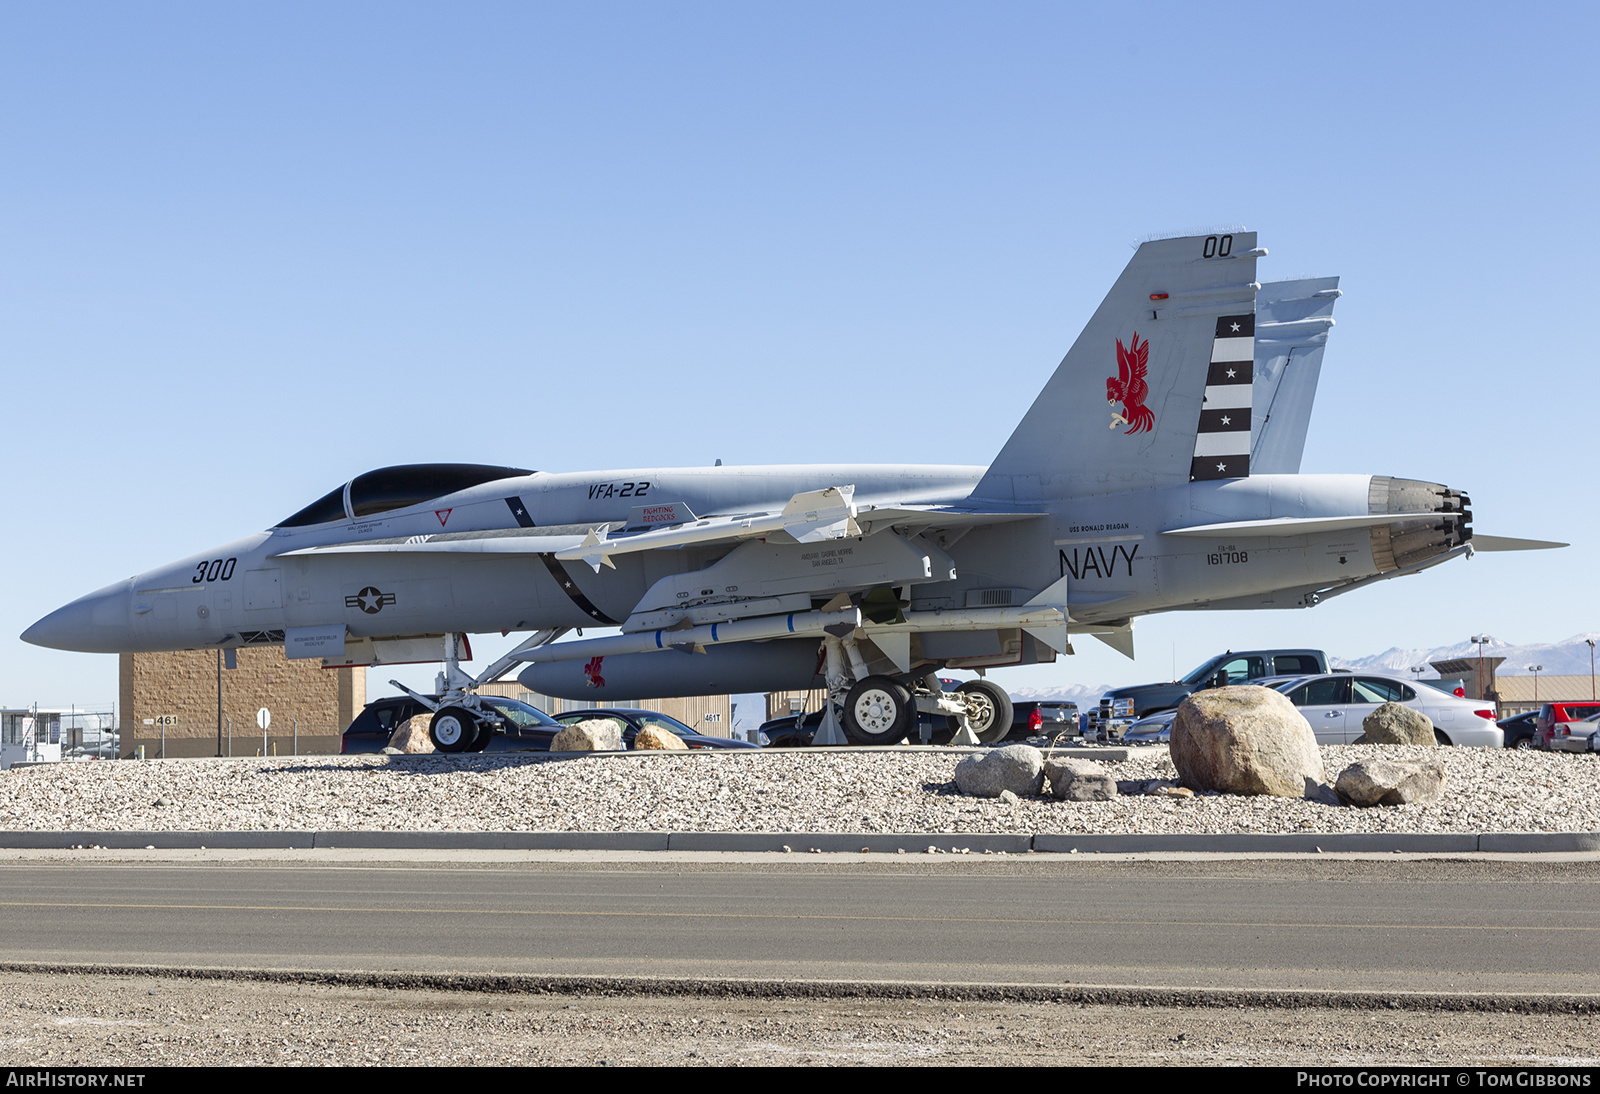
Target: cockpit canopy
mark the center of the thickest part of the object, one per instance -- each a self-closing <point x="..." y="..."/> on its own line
<point x="390" y="488"/>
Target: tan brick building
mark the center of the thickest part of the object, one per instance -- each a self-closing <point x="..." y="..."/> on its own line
<point x="193" y="700"/>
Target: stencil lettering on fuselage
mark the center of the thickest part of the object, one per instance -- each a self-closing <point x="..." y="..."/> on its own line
<point x="1086" y="562"/>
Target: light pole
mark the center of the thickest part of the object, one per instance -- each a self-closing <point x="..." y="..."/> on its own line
<point x="1480" y="639"/>
<point x="1417" y="674"/>
<point x="1536" y="670"/>
<point x="1591" y="667"/>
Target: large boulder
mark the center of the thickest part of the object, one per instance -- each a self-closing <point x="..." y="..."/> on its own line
<point x="591" y="735"/>
<point x="1245" y="740"/>
<point x="1396" y="724"/>
<point x="656" y="738"/>
<point x="988" y="774"/>
<point x="1391" y="782"/>
<point x="1079" y="780"/>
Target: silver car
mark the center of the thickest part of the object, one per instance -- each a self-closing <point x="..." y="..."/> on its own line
<point x="1154" y="730"/>
<point x="1574" y="736"/>
<point x="1336" y="704"/>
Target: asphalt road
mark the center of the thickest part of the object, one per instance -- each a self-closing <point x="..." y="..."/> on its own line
<point x="1391" y="924"/>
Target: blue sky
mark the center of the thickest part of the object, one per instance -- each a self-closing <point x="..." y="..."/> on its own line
<point x="247" y="251"/>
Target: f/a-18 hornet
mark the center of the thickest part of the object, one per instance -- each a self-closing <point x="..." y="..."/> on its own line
<point x="1128" y="488"/>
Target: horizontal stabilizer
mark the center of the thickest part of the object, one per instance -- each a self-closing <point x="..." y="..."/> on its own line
<point x="1501" y="543"/>
<point x="1296" y="526"/>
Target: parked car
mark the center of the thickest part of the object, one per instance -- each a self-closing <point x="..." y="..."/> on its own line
<point x="783" y="733"/>
<point x="1045" y="718"/>
<point x="1126" y="705"/>
<point x="514" y="726"/>
<point x="1574" y="736"/>
<point x="1519" y="729"/>
<point x="1028" y="719"/>
<point x="631" y="721"/>
<point x="1553" y="714"/>
<point x="1336" y="704"/>
<point x="1154" y="730"/>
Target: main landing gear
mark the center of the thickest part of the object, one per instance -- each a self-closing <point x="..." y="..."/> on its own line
<point x="877" y="709"/>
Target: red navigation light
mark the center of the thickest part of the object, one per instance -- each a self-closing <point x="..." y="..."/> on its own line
<point x="1158" y="296"/>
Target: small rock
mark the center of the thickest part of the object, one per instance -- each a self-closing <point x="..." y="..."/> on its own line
<point x="1390" y="782"/>
<point x="590" y="735"/>
<point x="410" y="737"/>
<point x="1009" y="798"/>
<point x="656" y="739"/>
<point x="987" y="774"/>
<point x="1080" y="781"/>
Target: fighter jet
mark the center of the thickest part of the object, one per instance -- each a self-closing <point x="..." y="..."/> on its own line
<point x="1144" y="478"/>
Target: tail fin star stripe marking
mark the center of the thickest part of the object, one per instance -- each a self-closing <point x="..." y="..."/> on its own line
<point x="1219" y="467"/>
<point x="558" y="571"/>
<point x="1222" y="441"/>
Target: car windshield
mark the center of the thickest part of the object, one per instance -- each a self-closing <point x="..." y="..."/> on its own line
<point x="671" y="725"/>
<point x="1204" y="672"/>
<point x="520" y="714"/>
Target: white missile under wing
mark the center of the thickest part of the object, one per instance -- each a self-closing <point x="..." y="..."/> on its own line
<point x="1153" y="472"/>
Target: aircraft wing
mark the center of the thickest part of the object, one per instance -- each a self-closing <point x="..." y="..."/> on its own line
<point x="808" y="517"/>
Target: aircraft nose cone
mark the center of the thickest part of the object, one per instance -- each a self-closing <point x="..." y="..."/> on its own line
<point x="97" y="623"/>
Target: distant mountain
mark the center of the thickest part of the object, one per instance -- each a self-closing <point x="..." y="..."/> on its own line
<point x="1569" y="657"/>
<point x="1085" y="697"/>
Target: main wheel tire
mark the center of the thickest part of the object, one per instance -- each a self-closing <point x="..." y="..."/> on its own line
<point x="992" y="722"/>
<point x="877" y="711"/>
<point x="484" y="736"/>
<point x="453" y="729"/>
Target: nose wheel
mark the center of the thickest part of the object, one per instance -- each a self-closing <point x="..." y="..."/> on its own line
<point x="455" y="729"/>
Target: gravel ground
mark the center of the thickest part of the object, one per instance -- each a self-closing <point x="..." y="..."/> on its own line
<point x="889" y="790"/>
<point x="136" y="1021"/>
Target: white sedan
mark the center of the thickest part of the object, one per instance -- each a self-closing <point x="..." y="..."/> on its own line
<point x="1336" y="703"/>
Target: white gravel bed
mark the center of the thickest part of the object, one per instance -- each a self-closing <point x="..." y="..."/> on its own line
<point x="800" y="791"/>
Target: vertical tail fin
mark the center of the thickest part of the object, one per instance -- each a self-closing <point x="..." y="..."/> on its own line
<point x="1292" y="323"/>
<point x="1148" y="351"/>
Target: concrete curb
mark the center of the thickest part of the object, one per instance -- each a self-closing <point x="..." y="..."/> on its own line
<point x="1250" y="842"/>
<point x="878" y="842"/>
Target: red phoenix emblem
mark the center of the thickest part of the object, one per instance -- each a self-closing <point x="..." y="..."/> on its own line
<point x="1131" y="387"/>
<point x="592" y="671"/>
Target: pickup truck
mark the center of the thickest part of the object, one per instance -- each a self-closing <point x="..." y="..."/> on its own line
<point x="1122" y="706"/>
